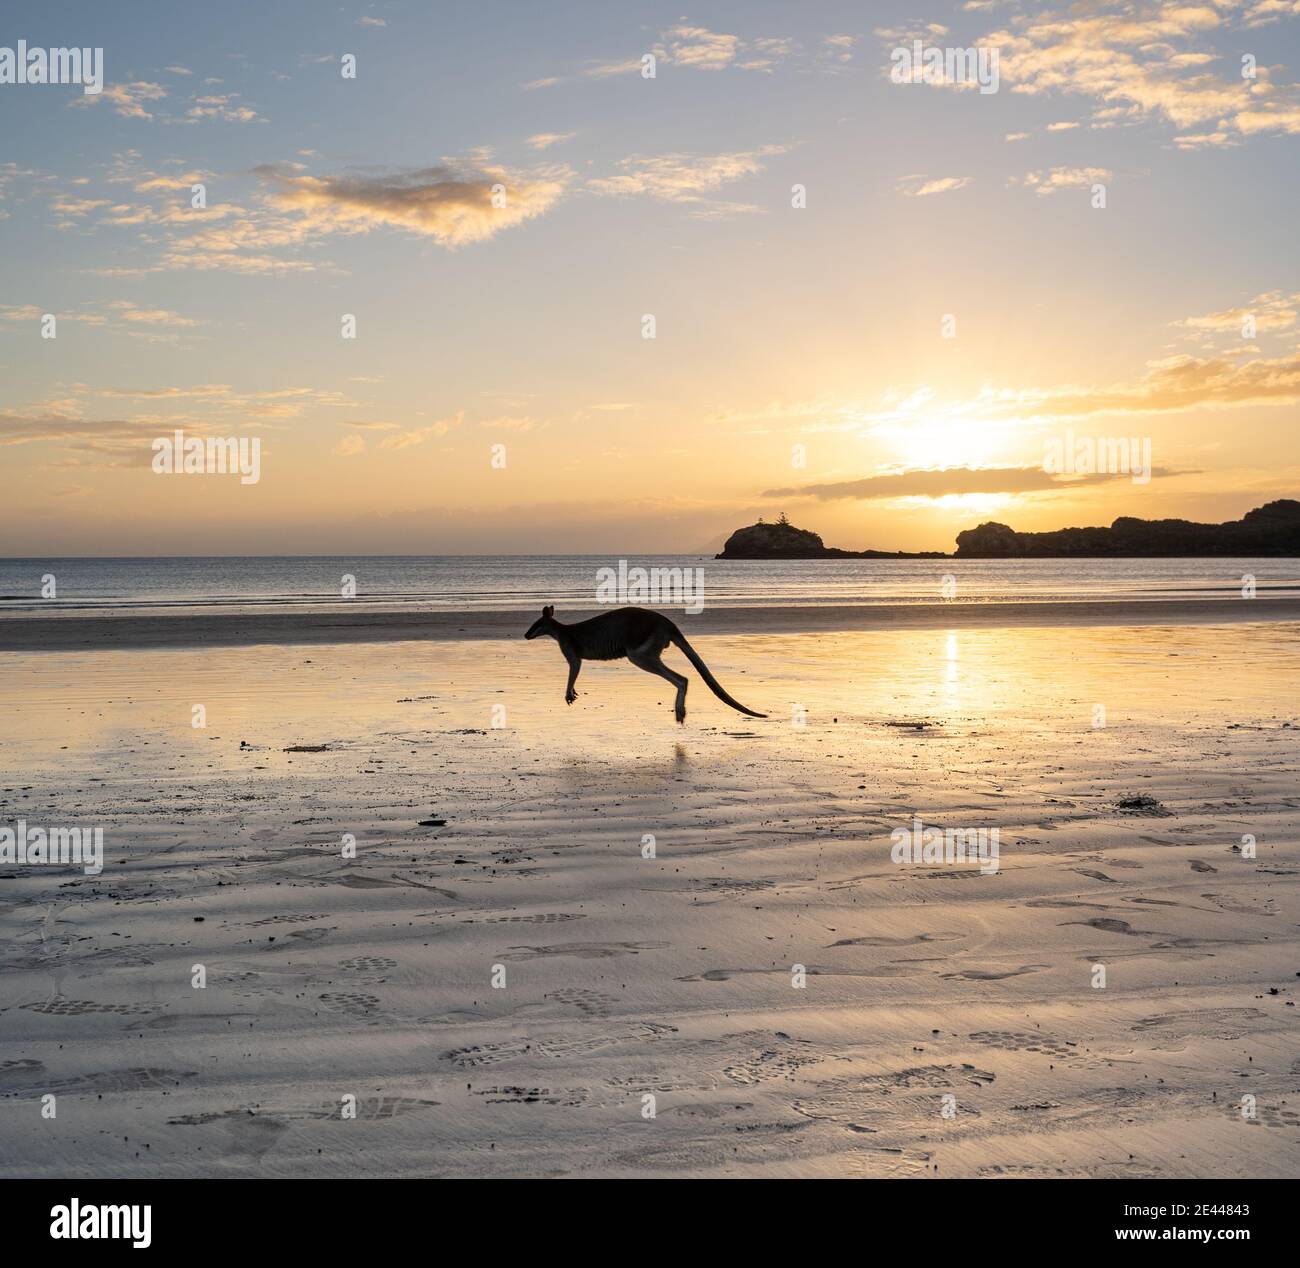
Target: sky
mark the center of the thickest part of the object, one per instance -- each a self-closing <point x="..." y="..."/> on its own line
<point x="876" y="305"/>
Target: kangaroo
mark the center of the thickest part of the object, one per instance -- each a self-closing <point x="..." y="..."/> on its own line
<point x="638" y="634"/>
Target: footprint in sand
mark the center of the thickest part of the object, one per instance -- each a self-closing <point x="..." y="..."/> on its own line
<point x="742" y="1143"/>
<point x="1108" y="924"/>
<point x="367" y="1008"/>
<point x="1267" y="1116"/>
<point x="1247" y="907"/>
<point x="61" y="1007"/>
<point x="1212" y="1023"/>
<point x="896" y="942"/>
<point x="995" y="975"/>
<point x="582" y="950"/>
<point x="285" y="920"/>
<point x="20" y="1069"/>
<point x="533" y="1095"/>
<point x="540" y="918"/>
<point x="589" y="1003"/>
<point x="139" y="1079"/>
<point x="1015" y="1041"/>
<point x="557" y="1048"/>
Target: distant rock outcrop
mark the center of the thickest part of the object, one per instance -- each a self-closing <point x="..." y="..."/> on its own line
<point x="1273" y="529"/>
<point x="773" y="541"/>
<point x="783" y="541"/>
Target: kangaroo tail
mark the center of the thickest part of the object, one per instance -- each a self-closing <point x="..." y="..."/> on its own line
<point x="694" y="657"/>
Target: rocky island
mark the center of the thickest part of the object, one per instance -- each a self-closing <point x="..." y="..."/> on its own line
<point x="783" y="541"/>
<point x="1272" y="529"/>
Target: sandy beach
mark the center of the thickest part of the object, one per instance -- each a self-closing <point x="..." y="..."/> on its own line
<point x="501" y="976"/>
<point x="135" y="628"/>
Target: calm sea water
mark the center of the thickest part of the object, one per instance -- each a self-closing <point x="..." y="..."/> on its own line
<point x="570" y="581"/>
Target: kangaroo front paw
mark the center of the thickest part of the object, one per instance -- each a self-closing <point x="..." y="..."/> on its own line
<point x="570" y="697"/>
<point x="680" y="715"/>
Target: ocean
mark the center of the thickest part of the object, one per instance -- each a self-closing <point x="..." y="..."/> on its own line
<point x="521" y="582"/>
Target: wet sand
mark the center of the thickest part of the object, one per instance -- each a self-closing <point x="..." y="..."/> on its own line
<point x="127" y="629"/>
<point x="516" y="853"/>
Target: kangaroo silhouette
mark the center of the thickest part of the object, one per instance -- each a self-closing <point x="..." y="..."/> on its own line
<point x="638" y="634"/>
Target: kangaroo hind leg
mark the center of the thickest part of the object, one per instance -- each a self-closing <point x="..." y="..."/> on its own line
<point x="652" y="664"/>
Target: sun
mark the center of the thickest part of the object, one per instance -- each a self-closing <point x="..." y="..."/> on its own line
<point x="937" y="441"/>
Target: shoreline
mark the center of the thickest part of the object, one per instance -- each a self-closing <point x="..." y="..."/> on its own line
<point x="132" y="630"/>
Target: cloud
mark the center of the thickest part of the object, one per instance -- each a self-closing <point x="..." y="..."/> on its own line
<point x="349" y="446"/>
<point x="691" y="47"/>
<point x="544" y="140"/>
<point x="948" y="481"/>
<point x="604" y="69"/>
<point x="119" y="316"/>
<point x="840" y="47"/>
<point x="128" y="312"/>
<point x="1141" y="60"/>
<point x="94" y="434"/>
<point x="700" y="48"/>
<point x="1272" y="311"/>
<point x="685" y="178"/>
<point x="923" y="186"/>
<point x="126" y="99"/>
<point x="221" y="398"/>
<point x="1058" y="178"/>
<point x="221" y="107"/>
<point x="1181" y="383"/>
<point x="452" y="206"/>
<point x="418" y="435"/>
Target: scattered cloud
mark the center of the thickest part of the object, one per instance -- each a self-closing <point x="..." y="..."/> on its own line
<point x="1272" y="312"/>
<point x="1146" y="60"/>
<point x="1177" y="383"/>
<point x="923" y="186"/>
<point x="947" y="482"/>
<point x="1058" y="178"/>
<point x="686" y="178"/>
<point x="544" y="140"/>
<point x="221" y="107"/>
<point x="418" y="435"/>
<point x="128" y="100"/>
<point x="450" y="205"/>
<point x="700" y="48"/>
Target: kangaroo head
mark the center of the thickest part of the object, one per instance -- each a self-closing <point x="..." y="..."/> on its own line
<point x="545" y="625"/>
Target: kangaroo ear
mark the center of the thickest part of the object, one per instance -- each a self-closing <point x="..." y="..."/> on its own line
<point x="549" y="610"/>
